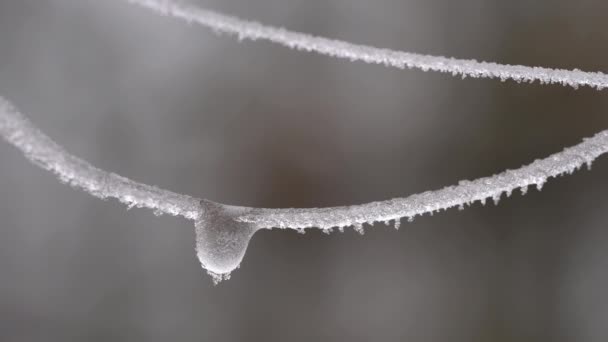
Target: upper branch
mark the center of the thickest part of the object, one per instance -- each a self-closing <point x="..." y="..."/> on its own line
<point x="355" y="52"/>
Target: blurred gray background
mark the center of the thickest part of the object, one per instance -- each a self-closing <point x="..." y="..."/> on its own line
<point x="256" y="124"/>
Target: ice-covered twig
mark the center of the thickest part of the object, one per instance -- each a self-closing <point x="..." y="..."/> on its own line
<point x="252" y="30"/>
<point x="465" y="193"/>
<point x="44" y="152"/>
<point x="223" y="231"/>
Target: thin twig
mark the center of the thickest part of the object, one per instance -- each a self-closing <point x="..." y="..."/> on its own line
<point x="245" y="29"/>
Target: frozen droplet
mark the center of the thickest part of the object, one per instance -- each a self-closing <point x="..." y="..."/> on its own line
<point x="410" y="219"/>
<point x="301" y="231"/>
<point x="221" y="240"/>
<point x="524" y="190"/>
<point x="341" y="229"/>
<point x="397" y="224"/>
<point x="158" y="212"/>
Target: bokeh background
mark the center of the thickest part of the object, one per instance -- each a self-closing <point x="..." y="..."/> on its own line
<point x="255" y="124"/>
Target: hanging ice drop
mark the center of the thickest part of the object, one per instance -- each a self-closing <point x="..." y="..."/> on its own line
<point x="221" y="240"/>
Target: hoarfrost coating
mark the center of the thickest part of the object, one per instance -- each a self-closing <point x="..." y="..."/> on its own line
<point x="44" y="152"/>
<point x="244" y="29"/>
<point x="223" y="232"/>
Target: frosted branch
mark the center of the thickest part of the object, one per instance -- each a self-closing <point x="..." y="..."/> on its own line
<point x="465" y="193"/>
<point x="44" y="152"/>
<point x="223" y="231"/>
<point x="244" y="29"/>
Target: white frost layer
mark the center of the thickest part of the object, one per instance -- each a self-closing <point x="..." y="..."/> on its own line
<point x="244" y="29"/>
<point x="223" y="232"/>
<point x="41" y="150"/>
<point x="465" y="193"/>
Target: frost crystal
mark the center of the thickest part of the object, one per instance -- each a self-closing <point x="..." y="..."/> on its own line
<point x="218" y="278"/>
<point x="359" y="228"/>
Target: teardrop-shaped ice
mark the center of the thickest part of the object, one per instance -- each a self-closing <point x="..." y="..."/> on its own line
<point x="221" y="240"/>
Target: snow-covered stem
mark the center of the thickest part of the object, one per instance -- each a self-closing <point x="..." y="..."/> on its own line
<point x="465" y="193"/>
<point x="223" y="231"/>
<point x="41" y="150"/>
<point x="244" y="29"/>
<point x="44" y="152"/>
